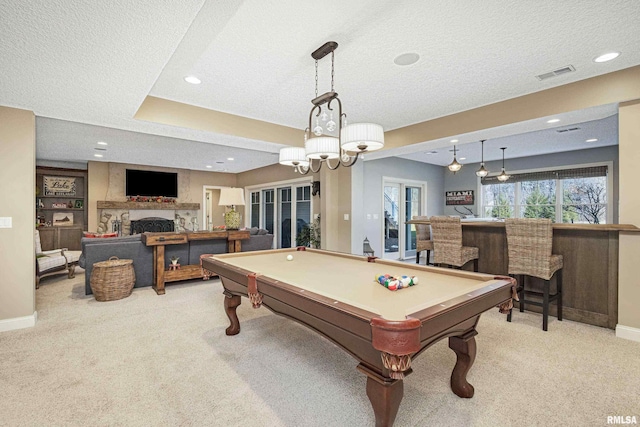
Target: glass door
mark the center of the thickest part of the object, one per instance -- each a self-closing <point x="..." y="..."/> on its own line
<point x="283" y="211"/>
<point x="392" y="206"/>
<point x="413" y="207"/>
<point x="402" y="201"/>
<point x="284" y="215"/>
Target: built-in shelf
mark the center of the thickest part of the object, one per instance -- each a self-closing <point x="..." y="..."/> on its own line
<point x="59" y="209"/>
<point x="147" y="205"/>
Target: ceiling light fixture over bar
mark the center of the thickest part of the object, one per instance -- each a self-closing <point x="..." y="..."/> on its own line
<point x="503" y="177"/>
<point x="326" y="140"/>
<point x="454" y="166"/>
<point x="482" y="172"/>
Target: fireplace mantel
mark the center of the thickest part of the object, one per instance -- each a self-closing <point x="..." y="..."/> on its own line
<point x="147" y="205"/>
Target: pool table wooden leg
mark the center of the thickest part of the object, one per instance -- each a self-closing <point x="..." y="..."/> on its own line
<point x="385" y="396"/>
<point x="465" y="348"/>
<point x="231" y="302"/>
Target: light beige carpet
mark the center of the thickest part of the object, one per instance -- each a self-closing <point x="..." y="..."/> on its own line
<point x="151" y="360"/>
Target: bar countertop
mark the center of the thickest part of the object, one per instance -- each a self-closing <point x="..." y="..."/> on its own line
<point x="556" y="226"/>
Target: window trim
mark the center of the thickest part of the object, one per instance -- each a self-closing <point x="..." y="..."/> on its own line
<point x="608" y="164"/>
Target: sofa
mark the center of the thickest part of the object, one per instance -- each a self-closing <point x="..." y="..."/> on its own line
<point x="131" y="247"/>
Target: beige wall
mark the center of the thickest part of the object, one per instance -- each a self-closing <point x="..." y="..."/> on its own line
<point x="629" y="152"/>
<point x="17" y="195"/>
<point x="178" y="114"/>
<point x="609" y="88"/>
<point x="98" y="177"/>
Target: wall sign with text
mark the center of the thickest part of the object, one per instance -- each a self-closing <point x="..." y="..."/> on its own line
<point x="59" y="186"/>
<point x="462" y="197"/>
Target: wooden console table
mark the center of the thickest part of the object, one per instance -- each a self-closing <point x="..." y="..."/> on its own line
<point x="186" y="272"/>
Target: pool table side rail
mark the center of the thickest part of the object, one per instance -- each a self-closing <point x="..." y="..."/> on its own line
<point x="353" y="328"/>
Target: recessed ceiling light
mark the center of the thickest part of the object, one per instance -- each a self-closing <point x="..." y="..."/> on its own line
<point x="431" y="152"/>
<point x="230" y="158"/>
<point x="209" y="166"/>
<point x="454" y="140"/>
<point x="592" y="140"/>
<point x="102" y="143"/>
<point x="553" y="121"/>
<point x="192" y="79"/>
<point x="97" y="155"/>
<point x="406" y="59"/>
<point x="463" y="158"/>
<point x="606" y="57"/>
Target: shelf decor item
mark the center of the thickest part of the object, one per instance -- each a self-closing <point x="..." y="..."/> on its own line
<point x="59" y="186"/>
<point x="63" y="219"/>
<point x="79" y="204"/>
<point x="59" y="205"/>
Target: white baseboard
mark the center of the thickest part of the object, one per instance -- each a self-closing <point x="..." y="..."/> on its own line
<point x="628" y="333"/>
<point x="19" y="322"/>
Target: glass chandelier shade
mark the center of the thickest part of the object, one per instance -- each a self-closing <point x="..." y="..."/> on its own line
<point x="503" y="175"/>
<point x="454" y="166"/>
<point x="482" y="172"/>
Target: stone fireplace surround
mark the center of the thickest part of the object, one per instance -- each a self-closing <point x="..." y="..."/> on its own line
<point x="116" y="206"/>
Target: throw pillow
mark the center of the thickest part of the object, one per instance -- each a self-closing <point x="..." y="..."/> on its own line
<point x="262" y="232"/>
<point x="253" y="231"/>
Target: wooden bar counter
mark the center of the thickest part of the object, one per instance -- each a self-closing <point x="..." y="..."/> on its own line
<point x="590" y="272"/>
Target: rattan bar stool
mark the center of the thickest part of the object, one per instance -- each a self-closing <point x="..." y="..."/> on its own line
<point x="529" y="244"/>
<point x="446" y="232"/>
<point x="423" y="239"/>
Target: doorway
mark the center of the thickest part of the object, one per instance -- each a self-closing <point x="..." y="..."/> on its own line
<point x="402" y="199"/>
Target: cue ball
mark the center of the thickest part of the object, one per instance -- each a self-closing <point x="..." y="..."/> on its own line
<point x="289" y="257"/>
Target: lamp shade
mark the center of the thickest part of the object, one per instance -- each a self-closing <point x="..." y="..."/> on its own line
<point x="231" y="197"/>
<point x="322" y="148"/>
<point x="357" y="135"/>
<point x="293" y="156"/>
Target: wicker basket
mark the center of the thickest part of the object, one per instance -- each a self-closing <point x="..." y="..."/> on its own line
<point x="113" y="279"/>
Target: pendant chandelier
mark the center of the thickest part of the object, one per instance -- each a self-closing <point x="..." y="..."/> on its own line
<point x="328" y="138"/>
<point x="454" y="166"/>
<point x="482" y="172"/>
<point x="503" y="175"/>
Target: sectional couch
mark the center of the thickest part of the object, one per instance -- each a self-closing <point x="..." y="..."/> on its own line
<point x="131" y="247"/>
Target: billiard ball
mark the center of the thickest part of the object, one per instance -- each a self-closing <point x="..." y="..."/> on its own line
<point x="289" y="257"/>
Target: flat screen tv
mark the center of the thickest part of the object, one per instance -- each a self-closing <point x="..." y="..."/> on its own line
<point x="151" y="183"/>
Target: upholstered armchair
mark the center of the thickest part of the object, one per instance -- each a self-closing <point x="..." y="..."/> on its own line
<point x="55" y="261"/>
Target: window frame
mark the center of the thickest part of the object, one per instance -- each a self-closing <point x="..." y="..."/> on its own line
<point x="559" y="189"/>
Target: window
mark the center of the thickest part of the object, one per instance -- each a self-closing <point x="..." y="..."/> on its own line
<point x="255" y="209"/>
<point x="283" y="208"/>
<point x="576" y="195"/>
<point x="585" y="200"/>
<point x="498" y="200"/>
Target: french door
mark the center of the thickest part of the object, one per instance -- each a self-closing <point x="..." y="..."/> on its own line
<point x="402" y="200"/>
<point x="282" y="210"/>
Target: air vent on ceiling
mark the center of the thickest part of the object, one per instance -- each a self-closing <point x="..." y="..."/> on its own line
<point x="558" y="72"/>
<point x="567" y="130"/>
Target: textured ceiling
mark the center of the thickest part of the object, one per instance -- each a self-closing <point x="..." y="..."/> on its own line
<point x="94" y="63"/>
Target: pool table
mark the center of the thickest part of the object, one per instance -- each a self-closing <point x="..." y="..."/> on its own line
<point x="337" y="296"/>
